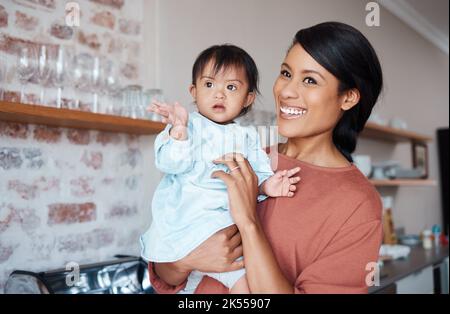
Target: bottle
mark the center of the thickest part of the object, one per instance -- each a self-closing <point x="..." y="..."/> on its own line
<point x="437" y="235"/>
<point x="388" y="223"/>
<point x="426" y="241"/>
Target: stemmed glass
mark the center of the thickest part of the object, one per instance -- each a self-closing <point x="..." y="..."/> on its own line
<point x="43" y="70"/>
<point x="60" y="72"/>
<point x="26" y="67"/>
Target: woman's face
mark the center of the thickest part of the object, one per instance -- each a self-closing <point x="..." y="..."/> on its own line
<point x="306" y="96"/>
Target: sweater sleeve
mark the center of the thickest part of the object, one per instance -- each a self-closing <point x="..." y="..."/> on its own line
<point x="343" y="266"/>
<point x="173" y="156"/>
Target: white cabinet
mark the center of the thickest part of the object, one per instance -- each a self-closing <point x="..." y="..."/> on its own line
<point x="420" y="282"/>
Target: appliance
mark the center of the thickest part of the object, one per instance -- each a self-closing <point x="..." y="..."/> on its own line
<point x="123" y="275"/>
<point x="442" y="136"/>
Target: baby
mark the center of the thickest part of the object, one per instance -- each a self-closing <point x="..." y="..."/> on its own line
<point x="188" y="205"/>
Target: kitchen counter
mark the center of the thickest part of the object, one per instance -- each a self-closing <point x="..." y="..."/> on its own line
<point x="418" y="259"/>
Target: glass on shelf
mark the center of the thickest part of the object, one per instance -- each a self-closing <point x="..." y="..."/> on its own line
<point x="111" y="88"/>
<point x="132" y="101"/>
<point x="81" y="75"/>
<point x="26" y="67"/>
<point x="61" y="74"/>
<point x="43" y="71"/>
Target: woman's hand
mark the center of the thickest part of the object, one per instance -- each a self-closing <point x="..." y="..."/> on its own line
<point x="242" y="184"/>
<point x="217" y="254"/>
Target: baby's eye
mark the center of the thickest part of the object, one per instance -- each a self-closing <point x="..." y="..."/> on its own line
<point x="285" y="73"/>
<point x="309" y="80"/>
<point x="209" y="84"/>
<point x="231" y="87"/>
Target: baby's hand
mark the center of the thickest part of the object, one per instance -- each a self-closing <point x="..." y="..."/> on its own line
<point x="175" y="114"/>
<point x="281" y="183"/>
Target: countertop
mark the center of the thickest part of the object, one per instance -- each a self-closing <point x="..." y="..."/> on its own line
<point x="417" y="259"/>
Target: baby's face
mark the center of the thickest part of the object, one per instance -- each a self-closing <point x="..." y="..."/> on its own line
<point x="221" y="97"/>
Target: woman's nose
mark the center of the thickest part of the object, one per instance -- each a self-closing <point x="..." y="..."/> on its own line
<point x="290" y="90"/>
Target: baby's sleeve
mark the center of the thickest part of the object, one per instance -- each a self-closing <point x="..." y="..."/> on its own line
<point x="258" y="159"/>
<point x="173" y="156"/>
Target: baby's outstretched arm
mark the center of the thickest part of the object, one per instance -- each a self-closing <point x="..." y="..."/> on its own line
<point x="176" y="115"/>
<point x="282" y="183"/>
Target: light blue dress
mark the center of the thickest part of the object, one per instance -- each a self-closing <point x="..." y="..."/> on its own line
<point x="188" y="205"/>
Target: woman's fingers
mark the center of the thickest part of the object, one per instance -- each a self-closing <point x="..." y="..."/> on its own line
<point x="225" y="177"/>
<point x="237" y="252"/>
<point x="235" y="241"/>
<point x="232" y="160"/>
<point x="236" y="265"/>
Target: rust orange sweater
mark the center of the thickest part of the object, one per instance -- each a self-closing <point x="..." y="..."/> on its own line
<point x="323" y="237"/>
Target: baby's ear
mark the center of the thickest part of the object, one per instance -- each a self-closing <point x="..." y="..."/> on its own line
<point x="250" y="99"/>
<point x="193" y="91"/>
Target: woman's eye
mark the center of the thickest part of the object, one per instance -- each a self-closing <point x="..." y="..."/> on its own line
<point x="231" y="87"/>
<point x="285" y="73"/>
<point x="208" y="84"/>
<point x="309" y="80"/>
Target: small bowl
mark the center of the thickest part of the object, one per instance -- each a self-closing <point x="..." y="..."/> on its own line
<point x="411" y="239"/>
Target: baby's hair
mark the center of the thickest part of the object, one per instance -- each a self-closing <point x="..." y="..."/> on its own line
<point x="225" y="56"/>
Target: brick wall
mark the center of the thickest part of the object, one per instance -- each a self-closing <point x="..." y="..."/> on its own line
<point x="66" y="194"/>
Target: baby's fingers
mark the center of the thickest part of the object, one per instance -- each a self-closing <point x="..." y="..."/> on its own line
<point x="293" y="171"/>
<point x="294" y="180"/>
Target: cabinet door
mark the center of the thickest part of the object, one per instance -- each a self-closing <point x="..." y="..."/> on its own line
<point x="419" y="282"/>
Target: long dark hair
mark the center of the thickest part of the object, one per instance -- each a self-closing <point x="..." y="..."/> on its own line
<point x="347" y="54"/>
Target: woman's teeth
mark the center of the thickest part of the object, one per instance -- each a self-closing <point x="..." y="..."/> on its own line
<point x="293" y="111"/>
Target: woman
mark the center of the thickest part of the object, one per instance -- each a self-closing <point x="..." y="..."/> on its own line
<point x="323" y="239"/>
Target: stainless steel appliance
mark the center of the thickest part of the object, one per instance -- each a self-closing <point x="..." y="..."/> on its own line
<point x="123" y="275"/>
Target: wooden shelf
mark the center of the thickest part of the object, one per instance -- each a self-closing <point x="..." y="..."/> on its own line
<point x="385" y="133"/>
<point x="16" y="112"/>
<point x="404" y="182"/>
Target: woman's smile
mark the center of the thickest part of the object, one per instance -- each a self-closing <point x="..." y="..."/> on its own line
<point x="290" y="112"/>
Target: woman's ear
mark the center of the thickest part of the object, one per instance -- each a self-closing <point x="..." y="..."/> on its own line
<point x="250" y="99"/>
<point x="351" y="98"/>
<point x="193" y="91"/>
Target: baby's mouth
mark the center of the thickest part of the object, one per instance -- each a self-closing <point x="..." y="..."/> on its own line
<point x="218" y="108"/>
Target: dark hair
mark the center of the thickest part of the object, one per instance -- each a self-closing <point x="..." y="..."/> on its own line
<point x="348" y="55"/>
<point x="228" y="56"/>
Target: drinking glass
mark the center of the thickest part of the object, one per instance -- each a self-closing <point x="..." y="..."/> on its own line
<point x="81" y="74"/>
<point x="26" y="67"/>
<point x="61" y="73"/>
<point x="111" y="87"/>
<point x="43" y="71"/>
<point x="132" y="100"/>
